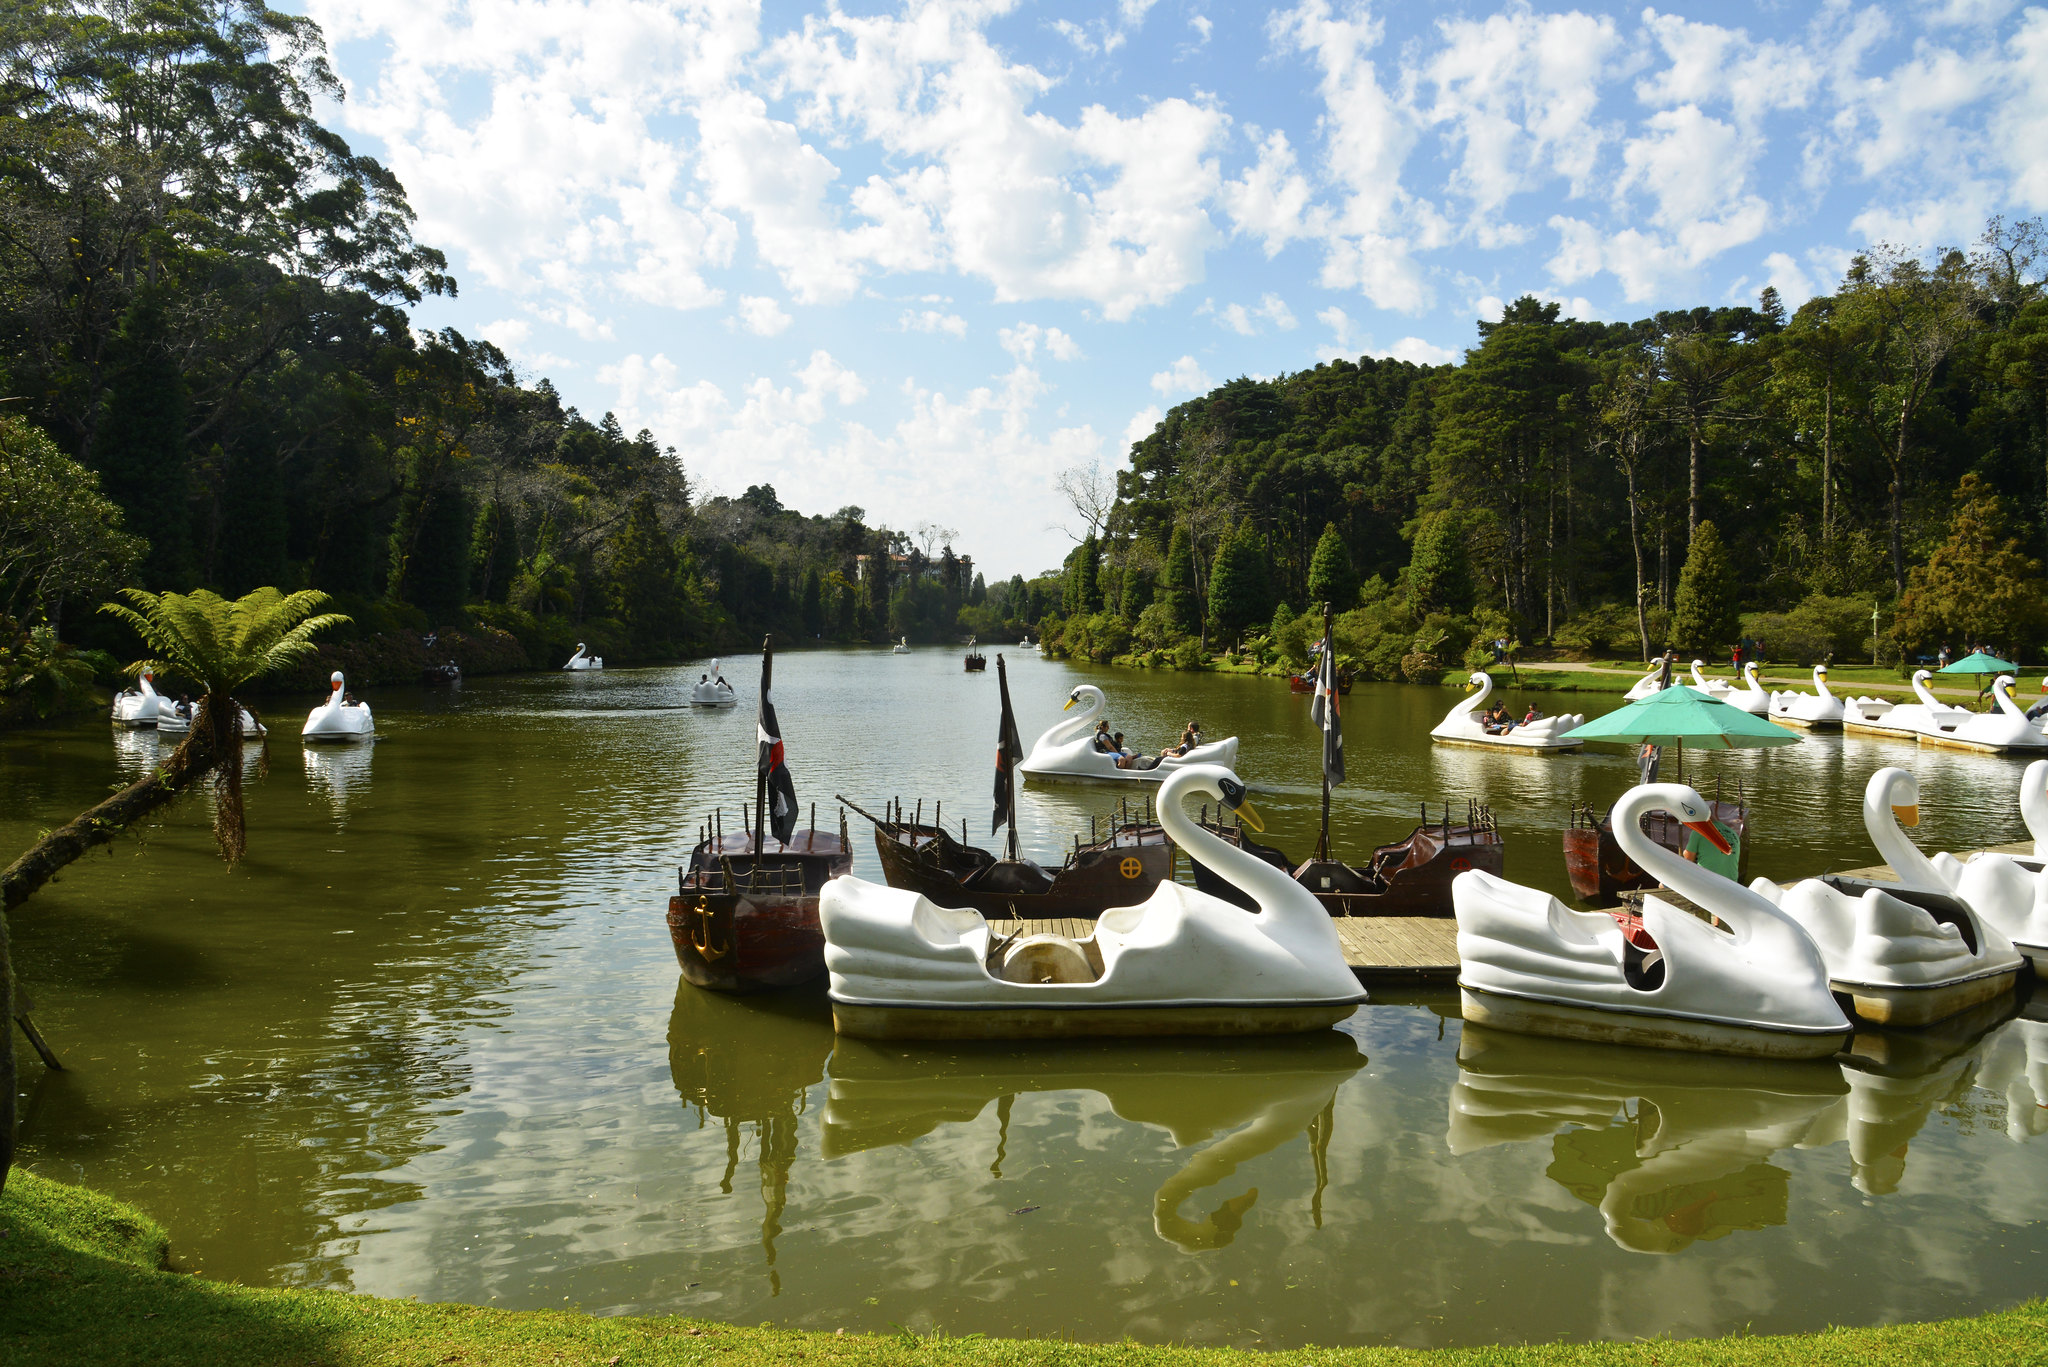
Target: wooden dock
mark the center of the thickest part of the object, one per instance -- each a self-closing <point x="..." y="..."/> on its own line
<point x="1390" y="950"/>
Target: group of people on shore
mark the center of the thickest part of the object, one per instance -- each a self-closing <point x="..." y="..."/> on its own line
<point x="1112" y="743"/>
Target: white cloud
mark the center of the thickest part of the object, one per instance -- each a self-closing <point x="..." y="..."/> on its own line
<point x="1793" y="285"/>
<point x="1342" y="334"/>
<point x="507" y="332"/>
<point x="1024" y="340"/>
<point x="1202" y="27"/>
<point x="1420" y="352"/>
<point x="760" y="315"/>
<point x="932" y="320"/>
<point x="1141" y="424"/>
<point x="1244" y="321"/>
<point x="1185" y="376"/>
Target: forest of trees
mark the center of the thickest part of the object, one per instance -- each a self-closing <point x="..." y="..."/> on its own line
<point x="204" y="300"/>
<point x="1882" y="448"/>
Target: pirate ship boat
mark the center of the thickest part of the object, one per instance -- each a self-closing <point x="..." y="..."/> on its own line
<point x="1117" y="869"/>
<point x="1601" y="870"/>
<point x="745" y="913"/>
<point x="1410" y="877"/>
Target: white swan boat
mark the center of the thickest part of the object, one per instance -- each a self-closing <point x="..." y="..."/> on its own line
<point x="1719" y="689"/>
<point x="1652" y="682"/>
<point x="902" y="647"/>
<point x="581" y="661"/>
<point x="1756" y="985"/>
<point x="338" y="719"/>
<point x="176" y="723"/>
<point x="1179" y="963"/>
<point x="1751" y="697"/>
<point x="1067" y="749"/>
<point x="1877" y="716"/>
<point x="141" y="705"/>
<point x="2010" y="891"/>
<point x="1906" y="953"/>
<point x="1819" y="710"/>
<point x="1464" y="725"/>
<point x="2005" y="730"/>
<point x="711" y="690"/>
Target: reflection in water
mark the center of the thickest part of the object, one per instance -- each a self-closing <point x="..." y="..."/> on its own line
<point x="337" y="772"/>
<point x="2016" y="1063"/>
<point x="136" y="751"/>
<point x="1684" y="1162"/>
<point x="751" y="1060"/>
<point x="1896" y="1080"/>
<point x="1255" y="1094"/>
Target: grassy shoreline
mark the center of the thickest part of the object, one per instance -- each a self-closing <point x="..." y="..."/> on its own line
<point x="85" y="1279"/>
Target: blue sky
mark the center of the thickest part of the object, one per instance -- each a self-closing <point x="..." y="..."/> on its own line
<point x="921" y="257"/>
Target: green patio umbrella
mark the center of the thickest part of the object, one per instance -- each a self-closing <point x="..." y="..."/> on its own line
<point x="1980" y="664"/>
<point x="1683" y="716"/>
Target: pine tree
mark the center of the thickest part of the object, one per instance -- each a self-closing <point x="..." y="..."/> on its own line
<point x="813" y="603"/>
<point x="641" y="585"/>
<point x="1331" y="579"/>
<point x="139" y="447"/>
<point x="1438" y="577"/>
<point x="1082" y="596"/>
<point x="1236" y="585"/>
<point x="1705" y="614"/>
<point x="977" y="593"/>
<point x="1177" y="584"/>
<point x="1135" y="589"/>
<point x="1979" y="585"/>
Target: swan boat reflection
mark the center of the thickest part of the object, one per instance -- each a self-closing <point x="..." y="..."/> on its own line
<point x="1670" y="1150"/>
<point x="1236" y="1102"/>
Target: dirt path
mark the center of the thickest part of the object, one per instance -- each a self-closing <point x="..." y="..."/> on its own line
<point x="1682" y="674"/>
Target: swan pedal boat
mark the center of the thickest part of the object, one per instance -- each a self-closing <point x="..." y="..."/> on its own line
<point x="1067" y="750"/>
<point x="337" y="720"/>
<point x="1819" y="710"/>
<point x="1462" y="725"/>
<point x="2005" y="730"/>
<point x="1751" y="697"/>
<point x="1907" y="953"/>
<point x="581" y="661"/>
<point x="173" y="723"/>
<point x="1180" y="963"/>
<point x="712" y="690"/>
<point x="2011" y="891"/>
<point x="1117" y="870"/>
<point x="1881" y="717"/>
<point x="1652" y="682"/>
<point x="1718" y="689"/>
<point x="902" y="647"/>
<point x="1754" y="984"/>
<point x="1410" y="877"/>
<point x="141" y="706"/>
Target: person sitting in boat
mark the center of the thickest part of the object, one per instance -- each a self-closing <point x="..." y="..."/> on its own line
<point x="1124" y="757"/>
<point x="184" y="707"/>
<point x="1497" y="721"/>
<point x="2039" y="709"/>
<point x="1104" y="742"/>
<point x="1190" y="737"/>
<point x="1531" y="715"/>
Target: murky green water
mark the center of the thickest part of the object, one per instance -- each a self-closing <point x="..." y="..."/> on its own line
<point x="430" y="1041"/>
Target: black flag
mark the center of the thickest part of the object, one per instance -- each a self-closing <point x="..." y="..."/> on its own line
<point x="1009" y="753"/>
<point x="772" y="769"/>
<point x="1324" y="712"/>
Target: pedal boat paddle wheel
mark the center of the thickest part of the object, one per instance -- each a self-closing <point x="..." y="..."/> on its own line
<point x="1067" y="750"/>
<point x="1410" y="877"/>
<point x="1179" y="963"/>
<point x="1601" y="870"/>
<point x="1902" y="953"/>
<point x="1118" y="869"/>
<point x="1714" y="969"/>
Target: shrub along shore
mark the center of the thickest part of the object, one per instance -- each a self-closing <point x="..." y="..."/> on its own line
<point x="90" y="1283"/>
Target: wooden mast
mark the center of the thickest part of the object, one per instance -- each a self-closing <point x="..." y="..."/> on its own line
<point x="760" y="774"/>
<point x="1323" y="841"/>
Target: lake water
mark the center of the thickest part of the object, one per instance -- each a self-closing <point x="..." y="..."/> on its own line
<point x="429" y="1040"/>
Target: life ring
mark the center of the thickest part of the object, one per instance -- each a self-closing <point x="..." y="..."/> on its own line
<point x="1132" y="867"/>
<point x="1460" y="864"/>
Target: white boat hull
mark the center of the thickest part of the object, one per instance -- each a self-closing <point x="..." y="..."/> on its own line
<point x="899" y="1021"/>
<point x="1645" y="1029"/>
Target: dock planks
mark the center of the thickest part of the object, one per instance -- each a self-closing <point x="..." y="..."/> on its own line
<point x="1384" y="949"/>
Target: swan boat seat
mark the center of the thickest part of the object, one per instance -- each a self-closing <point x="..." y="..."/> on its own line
<point x="742" y="922"/>
<point x="1410" y="877"/>
<point x="1179" y="963"/>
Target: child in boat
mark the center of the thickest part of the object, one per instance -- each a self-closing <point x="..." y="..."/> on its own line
<point x="1498" y="722"/>
<point x="1190" y="737"/>
<point x="1123" y="756"/>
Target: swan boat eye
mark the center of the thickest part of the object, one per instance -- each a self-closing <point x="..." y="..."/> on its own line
<point x="1233" y="792"/>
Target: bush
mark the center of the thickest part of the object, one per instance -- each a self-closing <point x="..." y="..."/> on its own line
<point x="1607" y="629"/>
<point x="1811" y="632"/>
<point x="1189" y="655"/>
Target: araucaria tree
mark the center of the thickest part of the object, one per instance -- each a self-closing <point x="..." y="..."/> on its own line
<point x="1979" y="585"/>
<point x="1705" y="615"/>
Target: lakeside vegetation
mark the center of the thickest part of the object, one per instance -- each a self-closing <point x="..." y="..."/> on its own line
<point x="1688" y="479"/>
<point x="89" y="1283"/>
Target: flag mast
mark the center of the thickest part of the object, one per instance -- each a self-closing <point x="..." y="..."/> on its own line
<point x="761" y="770"/>
<point x="1328" y="681"/>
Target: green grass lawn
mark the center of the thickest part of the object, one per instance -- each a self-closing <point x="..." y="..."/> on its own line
<point x="85" y="1281"/>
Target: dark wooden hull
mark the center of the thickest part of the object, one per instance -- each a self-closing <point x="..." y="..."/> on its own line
<point x="977" y="664"/>
<point x="742" y="926"/>
<point x="1601" y="872"/>
<point x="1120" y="871"/>
<point x="1410" y="877"/>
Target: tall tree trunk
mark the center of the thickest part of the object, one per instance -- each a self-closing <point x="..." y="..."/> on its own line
<point x="1827" y="462"/>
<point x="1692" y="494"/>
<point x="7" y="1079"/>
<point x="1897" y="499"/>
<point x="1635" y="539"/>
<point x="189" y="763"/>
